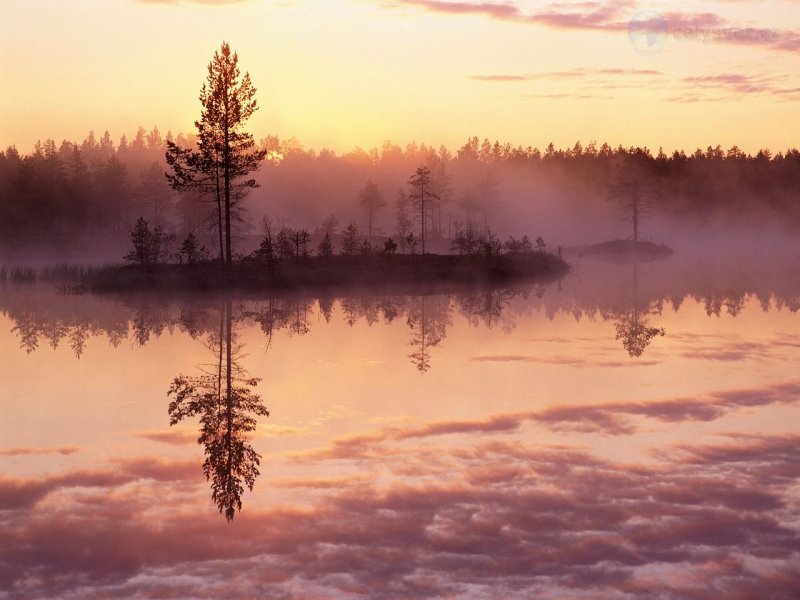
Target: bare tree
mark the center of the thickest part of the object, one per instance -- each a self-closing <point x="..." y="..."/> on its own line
<point x="405" y="223"/>
<point x="153" y="191"/>
<point x="634" y="197"/>
<point x="482" y="199"/>
<point x="422" y="196"/>
<point x="441" y="185"/>
<point x="371" y="200"/>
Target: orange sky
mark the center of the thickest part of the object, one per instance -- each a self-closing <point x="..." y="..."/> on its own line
<point x="345" y="73"/>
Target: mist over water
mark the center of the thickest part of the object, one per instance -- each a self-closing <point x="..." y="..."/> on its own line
<point x="76" y="203"/>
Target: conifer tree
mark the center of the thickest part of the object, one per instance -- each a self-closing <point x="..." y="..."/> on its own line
<point x="226" y="153"/>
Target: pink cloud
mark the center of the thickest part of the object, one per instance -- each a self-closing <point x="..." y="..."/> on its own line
<point x="607" y="78"/>
<point x="500" y="77"/>
<point x="589" y="16"/>
<point x="506" y="519"/>
<point x="571" y="361"/>
<point x="495" y="10"/>
<point x="204" y="2"/>
<point x="28" y="451"/>
<point x="174" y="437"/>
<point x="614" y="17"/>
<point x="17" y="493"/>
<point x="608" y="418"/>
<point x="737" y="83"/>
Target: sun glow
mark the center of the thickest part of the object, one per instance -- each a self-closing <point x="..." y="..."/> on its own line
<point x="341" y="74"/>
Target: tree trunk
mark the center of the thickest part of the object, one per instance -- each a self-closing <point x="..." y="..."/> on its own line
<point x="422" y="204"/>
<point x="226" y="149"/>
<point x="635" y="213"/>
<point x="219" y="365"/>
<point x="219" y="216"/>
<point x="227" y="182"/>
<point x="229" y="406"/>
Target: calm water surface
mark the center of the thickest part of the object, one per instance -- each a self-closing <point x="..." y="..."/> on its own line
<point x="629" y="432"/>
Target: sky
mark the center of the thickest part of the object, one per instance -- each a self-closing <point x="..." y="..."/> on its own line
<point x="353" y="73"/>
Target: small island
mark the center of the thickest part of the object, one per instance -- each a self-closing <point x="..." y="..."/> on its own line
<point x="626" y="251"/>
<point x="286" y="261"/>
<point x="380" y="271"/>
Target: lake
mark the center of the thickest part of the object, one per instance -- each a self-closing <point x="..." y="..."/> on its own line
<point x="628" y="432"/>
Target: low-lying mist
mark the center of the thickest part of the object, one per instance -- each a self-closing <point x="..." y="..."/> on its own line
<point x="76" y="203"/>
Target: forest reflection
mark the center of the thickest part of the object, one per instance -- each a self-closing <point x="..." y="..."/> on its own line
<point x="223" y="396"/>
<point x="427" y="317"/>
<point x="632" y="302"/>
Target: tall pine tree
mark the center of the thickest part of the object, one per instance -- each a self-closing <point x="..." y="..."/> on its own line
<point x="225" y="153"/>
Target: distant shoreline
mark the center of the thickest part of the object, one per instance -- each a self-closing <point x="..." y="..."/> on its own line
<point x="625" y="251"/>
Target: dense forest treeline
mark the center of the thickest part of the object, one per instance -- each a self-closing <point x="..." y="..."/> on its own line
<point x="89" y="194"/>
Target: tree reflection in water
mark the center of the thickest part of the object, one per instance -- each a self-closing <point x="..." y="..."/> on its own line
<point x="227" y="405"/>
<point x="428" y="326"/>
<point x="632" y="325"/>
